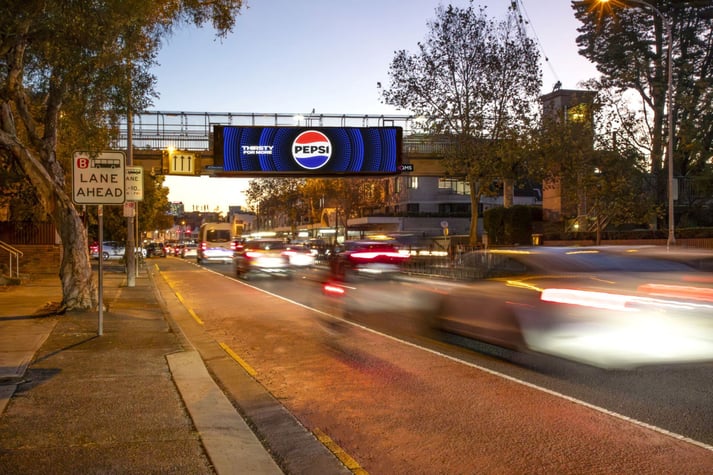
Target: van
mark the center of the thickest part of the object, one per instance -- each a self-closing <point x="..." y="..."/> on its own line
<point x="214" y="243"/>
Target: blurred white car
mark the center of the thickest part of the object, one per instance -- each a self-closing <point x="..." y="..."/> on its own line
<point x="189" y="250"/>
<point x="607" y="307"/>
<point x="300" y="255"/>
<point x="263" y="257"/>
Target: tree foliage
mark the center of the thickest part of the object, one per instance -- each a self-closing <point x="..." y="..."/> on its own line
<point x="282" y="202"/>
<point x="604" y="179"/>
<point x="628" y="43"/>
<point x="68" y="70"/>
<point x="152" y="213"/>
<point x="476" y="81"/>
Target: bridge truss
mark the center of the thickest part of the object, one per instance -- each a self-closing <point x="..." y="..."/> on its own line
<point x="192" y="131"/>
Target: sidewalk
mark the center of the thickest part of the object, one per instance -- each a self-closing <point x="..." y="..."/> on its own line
<point x="133" y="400"/>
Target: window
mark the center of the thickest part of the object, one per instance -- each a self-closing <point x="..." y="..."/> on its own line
<point x="218" y="235"/>
<point x="459" y="187"/>
<point x="412" y="182"/>
<point x="448" y="209"/>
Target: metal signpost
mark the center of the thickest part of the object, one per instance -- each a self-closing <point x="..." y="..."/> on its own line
<point x="99" y="180"/>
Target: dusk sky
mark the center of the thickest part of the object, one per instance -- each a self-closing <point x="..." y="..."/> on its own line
<point x="288" y="56"/>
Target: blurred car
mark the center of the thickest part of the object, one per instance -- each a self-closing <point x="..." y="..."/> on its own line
<point x="261" y="256"/>
<point x="168" y="246"/>
<point x="318" y="247"/>
<point x="177" y="250"/>
<point x="611" y="308"/>
<point x="155" y="249"/>
<point x="373" y="285"/>
<point x="367" y="255"/>
<point x="189" y="250"/>
<point x="110" y="250"/>
<point x="300" y="255"/>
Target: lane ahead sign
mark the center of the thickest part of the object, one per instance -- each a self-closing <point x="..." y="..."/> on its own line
<point x="99" y="180"/>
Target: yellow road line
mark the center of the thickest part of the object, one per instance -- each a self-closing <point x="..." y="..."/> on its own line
<point x="240" y="361"/>
<point x="180" y="299"/>
<point x="195" y="317"/>
<point x="339" y="452"/>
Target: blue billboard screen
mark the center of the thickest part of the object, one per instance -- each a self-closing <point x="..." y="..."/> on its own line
<point x="307" y="150"/>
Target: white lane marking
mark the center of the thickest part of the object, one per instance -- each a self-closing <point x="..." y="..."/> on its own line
<point x="490" y="371"/>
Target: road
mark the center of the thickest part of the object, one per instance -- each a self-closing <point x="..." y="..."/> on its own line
<point x="396" y="401"/>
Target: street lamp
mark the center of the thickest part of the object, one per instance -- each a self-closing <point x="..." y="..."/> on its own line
<point x="669" y="101"/>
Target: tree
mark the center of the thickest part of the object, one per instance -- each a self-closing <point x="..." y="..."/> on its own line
<point x="152" y="213"/>
<point x="154" y="209"/>
<point x="628" y="44"/>
<point x="278" y="199"/>
<point x="602" y="181"/>
<point x="475" y="81"/>
<point x="77" y="66"/>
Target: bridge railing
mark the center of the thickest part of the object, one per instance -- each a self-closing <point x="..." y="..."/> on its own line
<point x="192" y="131"/>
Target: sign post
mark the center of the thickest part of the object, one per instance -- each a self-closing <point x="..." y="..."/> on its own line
<point x="99" y="180"/>
<point x="134" y="184"/>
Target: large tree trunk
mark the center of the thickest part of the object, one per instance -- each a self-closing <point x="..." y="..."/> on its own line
<point x="78" y="287"/>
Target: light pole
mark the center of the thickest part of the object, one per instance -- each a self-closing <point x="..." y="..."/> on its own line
<point x="669" y="103"/>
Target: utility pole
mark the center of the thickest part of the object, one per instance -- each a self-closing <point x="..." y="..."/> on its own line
<point x="130" y="243"/>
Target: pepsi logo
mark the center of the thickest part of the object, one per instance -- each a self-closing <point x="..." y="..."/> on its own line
<point x="311" y="149"/>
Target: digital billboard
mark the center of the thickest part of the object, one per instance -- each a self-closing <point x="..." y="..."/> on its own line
<point x="319" y="151"/>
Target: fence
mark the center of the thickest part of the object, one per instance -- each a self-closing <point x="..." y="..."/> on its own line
<point x="28" y="232"/>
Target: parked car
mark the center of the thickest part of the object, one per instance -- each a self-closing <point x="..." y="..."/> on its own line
<point x="261" y="256"/>
<point x="155" y="249"/>
<point x="110" y="250"/>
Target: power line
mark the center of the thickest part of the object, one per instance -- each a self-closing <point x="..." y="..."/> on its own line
<point x="522" y="12"/>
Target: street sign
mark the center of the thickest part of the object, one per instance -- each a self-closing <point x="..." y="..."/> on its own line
<point x="98" y="180"/>
<point x="130" y="209"/>
<point x="134" y="183"/>
<point x="181" y="163"/>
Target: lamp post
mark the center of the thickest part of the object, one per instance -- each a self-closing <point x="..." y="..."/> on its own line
<point x="669" y="102"/>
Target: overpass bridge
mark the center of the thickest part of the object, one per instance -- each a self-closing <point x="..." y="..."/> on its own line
<point x="159" y="135"/>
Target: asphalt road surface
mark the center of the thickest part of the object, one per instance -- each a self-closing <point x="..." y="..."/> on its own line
<point x="397" y="401"/>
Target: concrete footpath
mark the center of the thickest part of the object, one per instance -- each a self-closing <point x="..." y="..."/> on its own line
<point x="137" y="399"/>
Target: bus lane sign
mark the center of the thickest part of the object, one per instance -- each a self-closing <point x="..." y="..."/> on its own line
<point x="98" y="180"/>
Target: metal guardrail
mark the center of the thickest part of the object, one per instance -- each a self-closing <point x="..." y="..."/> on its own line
<point x="12" y="251"/>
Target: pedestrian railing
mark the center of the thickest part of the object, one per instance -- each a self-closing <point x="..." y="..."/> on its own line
<point x="14" y="253"/>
